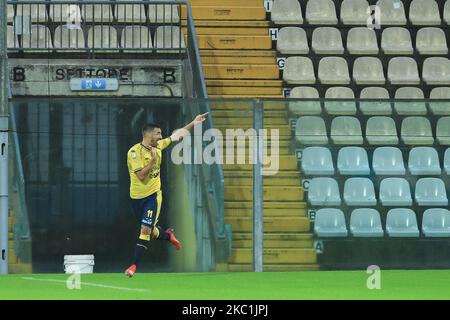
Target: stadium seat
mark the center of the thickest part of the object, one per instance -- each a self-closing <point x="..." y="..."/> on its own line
<point x="163" y="13"/>
<point x="396" y="40"/>
<point x="131" y="13"/>
<point x="286" y="12"/>
<point x="354" y="12"/>
<point x="362" y="41"/>
<point x="424" y="161"/>
<point x="327" y="40"/>
<point x="353" y="161"/>
<point x="402" y="223"/>
<point x="340" y="107"/>
<point x="440" y="108"/>
<point x="169" y="37"/>
<point x="330" y="222"/>
<point x="321" y="12"/>
<point x="403" y="71"/>
<point x="37" y="12"/>
<point x="102" y="37"/>
<point x="395" y="192"/>
<point x="359" y="192"/>
<point x="12" y="38"/>
<point x="304" y="107"/>
<point x="292" y="40"/>
<point x="136" y="37"/>
<point x="299" y="70"/>
<point x="346" y="130"/>
<point x="40" y="38"/>
<point x="311" y="130"/>
<point x="392" y="12"/>
<point x="65" y="12"/>
<point x="368" y="70"/>
<point x="381" y="130"/>
<point x="431" y="192"/>
<point x="388" y="161"/>
<point x="101" y="13"/>
<point x="443" y="131"/>
<point x="366" y="222"/>
<point x="436" y="223"/>
<point x="447" y="12"/>
<point x="424" y="12"/>
<point x="416" y="131"/>
<point x="436" y="71"/>
<point x="67" y="38"/>
<point x="431" y="41"/>
<point x="317" y="161"/>
<point x="333" y="70"/>
<point x="410" y="107"/>
<point x="324" y="191"/>
<point x="447" y="161"/>
<point x="375" y="107"/>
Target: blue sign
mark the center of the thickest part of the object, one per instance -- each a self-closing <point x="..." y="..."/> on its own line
<point x="93" y="84"/>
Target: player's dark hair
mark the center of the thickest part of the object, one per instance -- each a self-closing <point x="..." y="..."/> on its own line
<point x="150" y="127"/>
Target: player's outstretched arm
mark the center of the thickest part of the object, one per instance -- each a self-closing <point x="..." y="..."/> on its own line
<point x="179" y="134"/>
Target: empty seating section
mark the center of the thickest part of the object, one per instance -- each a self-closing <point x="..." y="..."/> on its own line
<point x="65" y="27"/>
<point x="372" y="112"/>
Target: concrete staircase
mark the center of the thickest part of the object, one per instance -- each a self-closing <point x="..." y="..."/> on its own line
<point x="239" y="62"/>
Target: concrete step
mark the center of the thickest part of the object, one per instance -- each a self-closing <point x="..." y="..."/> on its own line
<point x="269" y="106"/>
<point x="229" y="23"/>
<point x="284" y="130"/>
<point x="275" y="181"/>
<point x="10" y="235"/>
<point x="20" y="268"/>
<point x="240" y="60"/>
<point x="244" y="96"/>
<point x="271" y="224"/>
<point x="268" y="212"/>
<point x="275" y="256"/>
<point x="275" y="205"/>
<point x="237" y="71"/>
<point x="234" y="267"/>
<point x="284" y="163"/>
<point x="218" y="3"/>
<point x="220" y="111"/>
<point x="275" y="240"/>
<point x="244" y="91"/>
<point x="231" y="42"/>
<point x="226" y="12"/>
<point x="242" y="83"/>
<point x="229" y="30"/>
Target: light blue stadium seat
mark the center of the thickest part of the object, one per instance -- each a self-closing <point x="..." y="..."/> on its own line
<point x="317" y="161"/>
<point x="346" y="130"/>
<point x="431" y="192"/>
<point x="324" y="192"/>
<point x="436" y="223"/>
<point x="381" y="130"/>
<point x="330" y="222"/>
<point x="395" y="192"/>
<point x="443" y="131"/>
<point x="447" y="161"/>
<point x="353" y="161"/>
<point x="311" y="130"/>
<point x="366" y="222"/>
<point x="402" y="223"/>
<point x="424" y="161"/>
<point x="388" y="161"/>
<point x="359" y="192"/>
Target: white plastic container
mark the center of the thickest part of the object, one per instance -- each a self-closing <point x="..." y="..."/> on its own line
<point x="79" y="263"/>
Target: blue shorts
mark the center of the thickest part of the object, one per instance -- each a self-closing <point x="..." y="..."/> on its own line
<point x="147" y="209"/>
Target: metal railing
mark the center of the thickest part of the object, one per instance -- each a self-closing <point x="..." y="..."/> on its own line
<point x="96" y="26"/>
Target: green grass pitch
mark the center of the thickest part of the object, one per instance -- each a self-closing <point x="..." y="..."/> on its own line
<point x="395" y="284"/>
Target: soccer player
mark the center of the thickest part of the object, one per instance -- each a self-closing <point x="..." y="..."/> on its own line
<point x="144" y="161"/>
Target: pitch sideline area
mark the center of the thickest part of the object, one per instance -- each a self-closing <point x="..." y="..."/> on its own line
<point x="395" y="284"/>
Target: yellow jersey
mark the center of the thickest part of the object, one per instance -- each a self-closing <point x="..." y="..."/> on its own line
<point x="138" y="157"/>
